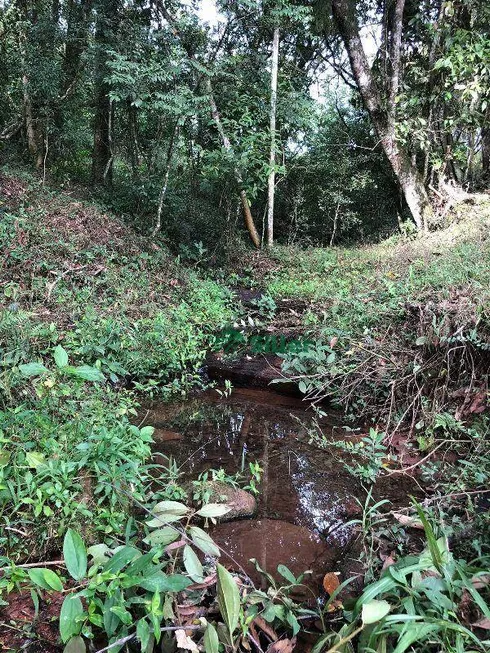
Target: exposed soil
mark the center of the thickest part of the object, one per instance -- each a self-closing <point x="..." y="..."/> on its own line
<point x="20" y="629"/>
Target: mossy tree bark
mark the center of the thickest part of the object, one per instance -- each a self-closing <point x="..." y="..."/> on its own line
<point x="382" y="114"/>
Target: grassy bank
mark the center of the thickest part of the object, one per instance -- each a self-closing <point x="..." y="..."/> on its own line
<point x="93" y="317"/>
<point x="401" y="333"/>
<point x="129" y="318"/>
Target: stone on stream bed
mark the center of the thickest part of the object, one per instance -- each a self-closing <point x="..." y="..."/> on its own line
<point x="241" y="503"/>
<point x="164" y="435"/>
<point x="253" y="372"/>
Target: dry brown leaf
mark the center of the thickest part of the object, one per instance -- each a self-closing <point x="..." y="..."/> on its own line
<point x="207" y="582"/>
<point x="185" y="642"/>
<point x="482" y="623"/>
<point x="334" y="606"/>
<point x="388" y="561"/>
<point x="175" y="545"/>
<point x="282" y="646"/>
<point x="264" y="627"/>
<point x="188" y="610"/>
<point x="330" y="582"/>
<point x="479" y="402"/>
<point x="479" y="582"/>
<point x="406" y="520"/>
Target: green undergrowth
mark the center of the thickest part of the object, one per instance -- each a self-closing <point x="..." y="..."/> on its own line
<point x="129" y="318"/>
<point x="410" y="316"/>
<point x="92" y="317"/>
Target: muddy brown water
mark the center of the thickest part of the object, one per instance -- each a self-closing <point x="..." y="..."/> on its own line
<point x="306" y="495"/>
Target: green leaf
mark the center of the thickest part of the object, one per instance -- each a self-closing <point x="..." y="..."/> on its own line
<point x="374" y="611"/>
<point x="322" y="642"/>
<point x="170" y="507"/>
<point x="75" y="555"/>
<point x="123" y="614"/>
<point x="143" y="633"/>
<point x="213" y="510"/>
<point x="203" y="541"/>
<point x="421" y="340"/>
<point x="211" y="640"/>
<point x="33" y="369"/>
<point x="414" y="632"/>
<point x="46" y="579"/>
<point x="160" y="582"/>
<point x="4" y="457"/>
<point x="146" y="433"/>
<point x="435" y="552"/>
<point x="121" y="558"/>
<point x="75" y="645"/>
<point x="293" y="622"/>
<point x="162" y="536"/>
<point x="99" y="553"/>
<point x="228" y="599"/>
<point x="60" y="356"/>
<point x="88" y="373"/>
<point x="111" y="619"/>
<point x="167" y="512"/>
<point x="193" y="565"/>
<point x="35" y="459"/>
<point x="285" y="573"/>
<point x="70" y="618"/>
<point x="161" y="520"/>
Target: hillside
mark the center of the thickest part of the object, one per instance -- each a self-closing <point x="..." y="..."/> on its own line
<point x="95" y="319"/>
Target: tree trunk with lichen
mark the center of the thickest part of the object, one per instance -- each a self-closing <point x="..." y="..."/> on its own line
<point x="383" y="115"/>
<point x="272" y="154"/>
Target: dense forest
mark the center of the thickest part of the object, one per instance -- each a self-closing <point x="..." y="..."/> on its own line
<point x="244" y="326"/>
<point x="174" y="119"/>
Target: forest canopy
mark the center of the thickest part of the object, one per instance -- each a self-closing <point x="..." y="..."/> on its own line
<point x="377" y="106"/>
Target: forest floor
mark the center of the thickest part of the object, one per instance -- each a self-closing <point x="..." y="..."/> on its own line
<point x="93" y="317"/>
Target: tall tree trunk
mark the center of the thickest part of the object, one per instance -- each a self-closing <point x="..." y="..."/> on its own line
<point x="383" y="119"/>
<point x="102" y="157"/>
<point x="134" y="153"/>
<point x="272" y="157"/>
<point x="249" y="221"/>
<point x="32" y="125"/>
<point x="77" y="31"/>
<point x="485" y="147"/>
<point x="166" y="176"/>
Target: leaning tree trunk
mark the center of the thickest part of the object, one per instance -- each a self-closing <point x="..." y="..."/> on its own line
<point x="383" y="119"/>
<point x="249" y="221"/>
<point x="272" y="157"/>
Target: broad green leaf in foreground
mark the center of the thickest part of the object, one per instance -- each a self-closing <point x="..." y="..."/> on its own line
<point x="213" y="510"/>
<point x="46" y="579"/>
<point x="374" y="611"/>
<point x="75" y="555"/>
<point x="70" y="617"/>
<point x="228" y="598"/>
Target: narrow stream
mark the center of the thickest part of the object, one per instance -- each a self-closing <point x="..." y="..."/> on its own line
<point x="306" y="495"/>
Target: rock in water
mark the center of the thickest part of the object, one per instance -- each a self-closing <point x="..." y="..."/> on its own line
<point x="241" y="502"/>
<point x="164" y="435"/>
